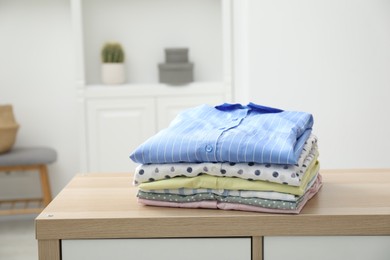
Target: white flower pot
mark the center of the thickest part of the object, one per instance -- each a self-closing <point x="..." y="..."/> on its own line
<point x="113" y="73"/>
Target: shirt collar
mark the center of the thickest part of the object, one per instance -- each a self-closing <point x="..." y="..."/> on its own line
<point x="250" y="106"/>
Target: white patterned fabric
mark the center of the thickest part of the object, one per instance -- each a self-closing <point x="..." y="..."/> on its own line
<point x="214" y="182"/>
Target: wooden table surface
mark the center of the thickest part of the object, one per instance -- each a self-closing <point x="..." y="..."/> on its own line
<point x="351" y="202"/>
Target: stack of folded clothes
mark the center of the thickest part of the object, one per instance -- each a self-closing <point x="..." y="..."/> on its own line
<point x="232" y="156"/>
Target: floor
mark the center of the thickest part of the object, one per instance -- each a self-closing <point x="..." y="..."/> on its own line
<point x="17" y="238"/>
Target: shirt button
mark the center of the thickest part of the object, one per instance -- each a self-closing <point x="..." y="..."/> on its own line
<point x="209" y="148"/>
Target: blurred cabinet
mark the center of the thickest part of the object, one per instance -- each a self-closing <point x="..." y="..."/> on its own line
<point x="115" y="119"/>
<point x="114" y="127"/>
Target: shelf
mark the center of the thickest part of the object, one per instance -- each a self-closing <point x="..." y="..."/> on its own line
<point x="145" y="28"/>
<point x="150" y="90"/>
<point x="115" y="119"/>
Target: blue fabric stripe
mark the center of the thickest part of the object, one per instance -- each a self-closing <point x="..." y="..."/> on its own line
<point x="232" y="133"/>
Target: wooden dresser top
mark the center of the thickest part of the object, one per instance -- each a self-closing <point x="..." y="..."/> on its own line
<point x="351" y="202"/>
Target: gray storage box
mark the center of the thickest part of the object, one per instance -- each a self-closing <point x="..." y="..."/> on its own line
<point x="176" y="73"/>
<point x="176" y="70"/>
<point x="176" y="55"/>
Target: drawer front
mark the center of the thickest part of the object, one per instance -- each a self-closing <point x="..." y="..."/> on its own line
<point x="152" y="249"/>
<point x="329" y="247"/>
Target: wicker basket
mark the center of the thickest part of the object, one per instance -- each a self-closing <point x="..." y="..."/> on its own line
<point x="8" y="128"/>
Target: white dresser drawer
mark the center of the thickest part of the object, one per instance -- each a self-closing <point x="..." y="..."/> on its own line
<point x="327" y="247"/>
<point x="151" y="249"/>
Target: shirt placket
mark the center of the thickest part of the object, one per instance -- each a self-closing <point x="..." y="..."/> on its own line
<point x="212" y="148"/>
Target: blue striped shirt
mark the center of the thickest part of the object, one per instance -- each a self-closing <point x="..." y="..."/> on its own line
<point x="229" y="133"/>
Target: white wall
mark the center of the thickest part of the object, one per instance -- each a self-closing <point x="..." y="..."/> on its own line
<point x="37" y="78"/>
<point x="330" y="58"/>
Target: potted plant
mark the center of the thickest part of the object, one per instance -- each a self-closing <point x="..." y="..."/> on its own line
<point x="113" y="68"/>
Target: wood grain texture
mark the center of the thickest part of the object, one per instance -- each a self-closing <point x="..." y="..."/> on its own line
<point x="257" y="248"/>
<point x="49" y="249"/>
<point x="351" y="202"/>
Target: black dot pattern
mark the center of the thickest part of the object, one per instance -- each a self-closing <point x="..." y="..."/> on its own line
<point x="248" y="171"/>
